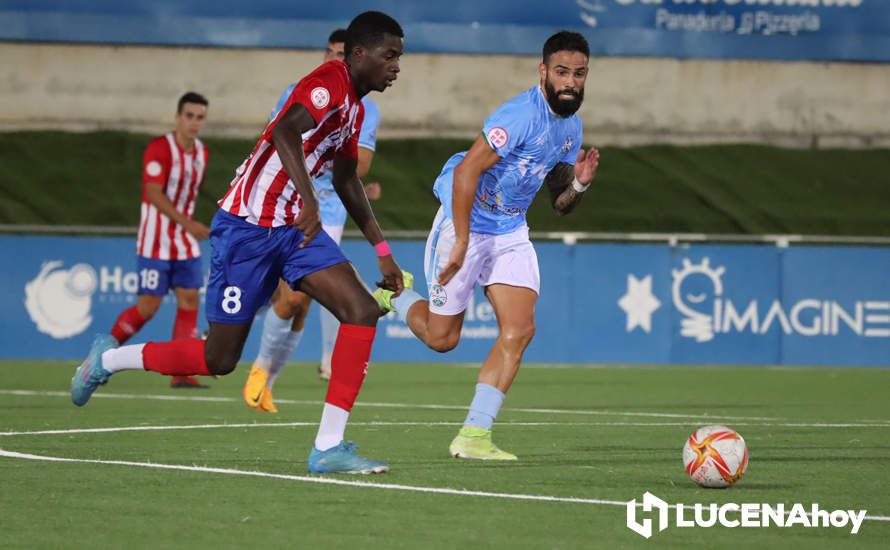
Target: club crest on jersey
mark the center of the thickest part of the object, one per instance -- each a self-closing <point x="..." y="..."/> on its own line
<point x="320" y="97"/>
<point x="498" y="137"/>
<point x="438" y="296"/>
<point x="153" y="168"/>
<point x="567" y="145"/>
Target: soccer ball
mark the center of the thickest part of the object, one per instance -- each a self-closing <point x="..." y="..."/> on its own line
<point x="715" y="456"/>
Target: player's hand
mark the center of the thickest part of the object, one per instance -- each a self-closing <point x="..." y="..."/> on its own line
<point x="197" y="230"/>
<point x="373" y="190"/>
<point x="308" y="221"/>
<point x="586" y="165"/>
<point x="392" y="274"/>
<point x="455" y="262"/>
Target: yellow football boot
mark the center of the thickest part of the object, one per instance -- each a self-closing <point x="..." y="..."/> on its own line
<point x="475" y="443"/>
<point x="266" y="404"/>
<point x="255" y="387"/>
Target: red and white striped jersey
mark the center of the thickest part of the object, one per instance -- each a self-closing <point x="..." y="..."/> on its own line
<point x="262" y="192"/>
<point x="180" y="173"/>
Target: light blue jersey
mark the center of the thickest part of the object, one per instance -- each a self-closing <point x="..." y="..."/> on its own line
<point x="329" y="204"/>
<point x="530" y="139"/>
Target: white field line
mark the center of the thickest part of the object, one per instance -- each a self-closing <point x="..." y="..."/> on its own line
<point x="313" y="424"/>
<point x="161" y="397"/>
<point x="380" y="423"/>
<point x="343" y="482"/>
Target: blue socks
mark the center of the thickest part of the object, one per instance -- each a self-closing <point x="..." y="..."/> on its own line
<point x="485" y="406"/>
<point x="404" y="301"/>
<point x="277" y="344"/>
<point x="329" y="327"/>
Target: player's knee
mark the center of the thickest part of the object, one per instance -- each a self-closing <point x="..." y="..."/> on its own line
<point x="295" y="306"/>
<point x="219" y="363"/>
<point x="444" y="343"/>
<point x="518" y="337"/>
<point x="363" y="312"/>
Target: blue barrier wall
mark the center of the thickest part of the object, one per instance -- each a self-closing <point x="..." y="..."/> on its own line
<point x="600" y="303"/>
<point x="753" y="29"/>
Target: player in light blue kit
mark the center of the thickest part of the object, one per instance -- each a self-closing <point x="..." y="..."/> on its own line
<point x="480" y="234"/>
<point x="283" y="324"/>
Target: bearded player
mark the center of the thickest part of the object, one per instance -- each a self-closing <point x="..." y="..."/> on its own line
<point x="480" y="236"/>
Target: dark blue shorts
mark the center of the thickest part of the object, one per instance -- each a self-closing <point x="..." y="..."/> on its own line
<point x="156" y="277"/>
<point x="248" y="260"/>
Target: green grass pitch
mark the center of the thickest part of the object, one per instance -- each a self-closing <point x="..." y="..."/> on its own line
<point x="593" y="433"/>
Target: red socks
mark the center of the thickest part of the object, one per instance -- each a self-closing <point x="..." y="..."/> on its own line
<point x="349" y="364"/>
<point x="128" y="323"/>
<point x="183" y="357"/>
<point x="186" y="325"/>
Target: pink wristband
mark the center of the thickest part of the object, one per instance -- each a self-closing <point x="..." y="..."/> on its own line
<point x="382" y="249"/>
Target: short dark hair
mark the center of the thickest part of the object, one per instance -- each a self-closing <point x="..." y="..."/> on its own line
<point x="368" y="28"/>
<point x="339" y="35"/>
<point x="191" y="97"/>
<point x="565" y="41"/>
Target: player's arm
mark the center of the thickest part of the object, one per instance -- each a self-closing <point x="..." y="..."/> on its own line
<point x="479" y="158"/>
<point x="365" y="157"/>
<point x="567" y="183"/>
<point x="154" y="192"/>
<point x="287" y="136"/>
<point x="349" y="188"/>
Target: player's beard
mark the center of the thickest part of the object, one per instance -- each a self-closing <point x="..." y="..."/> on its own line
<point x="563" y="107"/>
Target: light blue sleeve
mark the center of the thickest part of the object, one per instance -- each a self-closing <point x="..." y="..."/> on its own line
<point x="282" y="100"/>
<point x="571" y="155"/>
<point x="508" y="127"/>
<point x="367" y="137"/>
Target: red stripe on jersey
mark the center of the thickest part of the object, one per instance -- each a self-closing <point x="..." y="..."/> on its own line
<point x="140" y="238"/>
<point x="172" y="227"/>
<point x="273" y="195"/>
<point x="156" y="248"/>
<point x="190" y="208"/>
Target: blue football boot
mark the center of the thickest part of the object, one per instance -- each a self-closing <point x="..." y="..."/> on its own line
<point x="343" y="460"/>
<point x="90" y="374"/>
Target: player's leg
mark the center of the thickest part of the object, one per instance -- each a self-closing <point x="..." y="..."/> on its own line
<point x="154" y="283"/>
<point x="512" y="281"/>
<point x="329" y="328"/>
<point x="186" y="277"/>
<point x="243" y="274"/>
<point x="329" y="323"/>
<point x="321" y="270"/>
<point x="282" y="331"/>
<point x="339" y="289"/>
<point x="437" y="322"/>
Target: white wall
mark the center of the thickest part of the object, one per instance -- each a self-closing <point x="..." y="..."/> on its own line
<point x="628" y="100"/>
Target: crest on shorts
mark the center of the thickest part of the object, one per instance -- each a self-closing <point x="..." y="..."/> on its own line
<point x="438" y="297"/>
<point x="320" y="97"/>
<point x="498" y="137"/>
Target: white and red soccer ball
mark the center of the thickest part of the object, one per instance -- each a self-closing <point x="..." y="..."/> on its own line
<point x="715" y="456"/>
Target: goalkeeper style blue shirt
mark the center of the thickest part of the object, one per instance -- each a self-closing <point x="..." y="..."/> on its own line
<point x="530" y="139"/>
<point x="329" y="204"/>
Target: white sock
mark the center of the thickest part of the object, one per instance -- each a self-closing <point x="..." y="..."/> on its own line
<point x="331" y="428"/>
<point x="125" y="358"/>
<point x="326" y="362"/>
